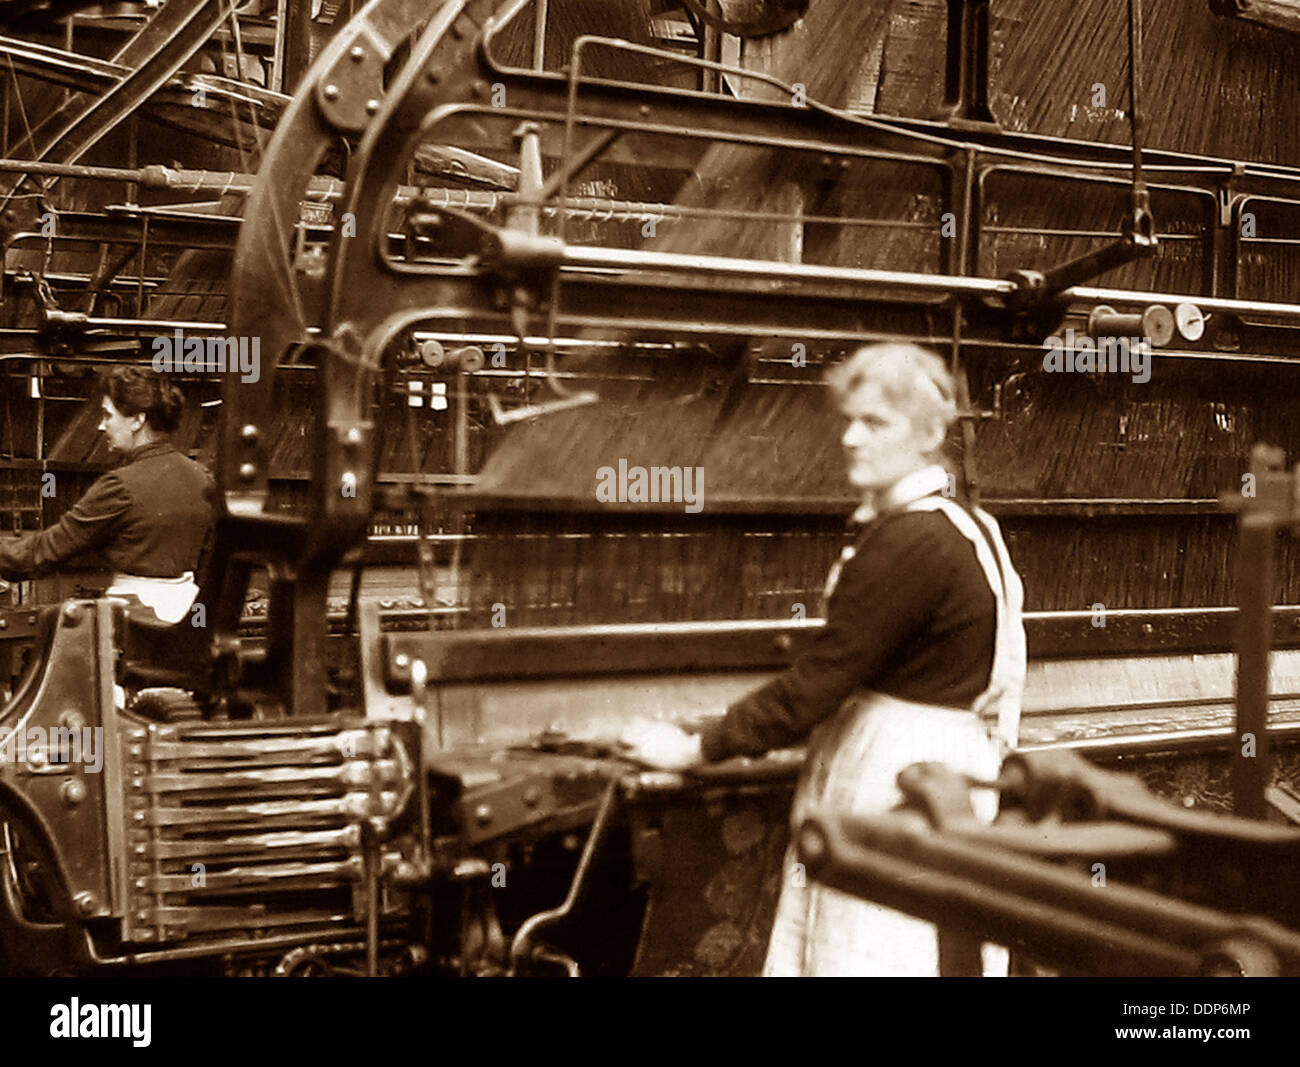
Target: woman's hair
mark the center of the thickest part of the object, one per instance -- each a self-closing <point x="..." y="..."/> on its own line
<point x="913" y="380"/>
<point x="138" y="390"/>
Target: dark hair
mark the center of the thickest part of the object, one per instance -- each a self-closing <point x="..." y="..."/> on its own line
<point x="138" y="390"/>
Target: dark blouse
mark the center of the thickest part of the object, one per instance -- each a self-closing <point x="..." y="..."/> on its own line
<point x="912" y="616"/>
<point x="150" y="516"/>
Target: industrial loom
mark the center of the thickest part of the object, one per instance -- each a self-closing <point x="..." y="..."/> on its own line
<point x="629" y="270"/>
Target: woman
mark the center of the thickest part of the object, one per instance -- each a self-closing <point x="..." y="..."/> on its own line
<point x="150" y="516"/>
<point x="922" y="658"/>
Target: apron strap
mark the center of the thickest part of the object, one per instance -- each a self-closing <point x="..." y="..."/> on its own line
<point x="1000" y="701"/>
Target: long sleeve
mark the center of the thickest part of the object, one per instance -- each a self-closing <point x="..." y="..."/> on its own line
<point x="89" y="523"/>
<point x="887" y="595"/>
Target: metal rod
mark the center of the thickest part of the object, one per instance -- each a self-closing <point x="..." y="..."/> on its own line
<point x="522" y="945"/>
<point x="1249" y="748"/>
<point x="1085" y="294"/>
<point x="370" y="839"/>
<point x="277" y="49"/>
<point x="539" y="34"/>
<point x="628" y="259"/>
<point x="1134" y="92"/>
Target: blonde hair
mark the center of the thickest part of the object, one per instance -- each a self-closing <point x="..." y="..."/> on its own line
<point x="915" y="381"/>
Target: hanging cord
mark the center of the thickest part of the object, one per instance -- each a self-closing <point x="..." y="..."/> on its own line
<point x="1141" y="221"/>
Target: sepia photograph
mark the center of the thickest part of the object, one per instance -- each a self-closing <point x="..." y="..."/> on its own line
<point x="650" y="489"/>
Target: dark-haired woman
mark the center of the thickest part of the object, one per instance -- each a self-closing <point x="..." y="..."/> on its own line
<point x="150" y="516"/>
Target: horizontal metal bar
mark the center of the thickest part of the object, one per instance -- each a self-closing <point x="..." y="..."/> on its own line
<point x="205" y="917"/>
<point x="276" y="779"/>
<point x="347" y="742"/>
<point x="351" y="806"/>
<point x="251" y="844"/>
<point x="99" y="322"/>
<point x="1075" y="507"/>
<point x="1089" y="507"/>
<point x="576" y="256"/>
<point x="1090" y="294"/>
<point x="322" y="925"/>
<point x="303" y="875"/>
<point x="1121" y="746"/>
<point x="460" y="656"/>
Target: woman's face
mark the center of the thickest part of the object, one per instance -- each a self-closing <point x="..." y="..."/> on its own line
<point x="121" y="430"/>
<point x="881" y="443"/>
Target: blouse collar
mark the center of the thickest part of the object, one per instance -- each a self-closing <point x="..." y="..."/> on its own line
<point x="909" y="488"/>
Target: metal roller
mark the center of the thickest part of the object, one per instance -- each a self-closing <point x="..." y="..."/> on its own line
<point x="1156" y="324"/>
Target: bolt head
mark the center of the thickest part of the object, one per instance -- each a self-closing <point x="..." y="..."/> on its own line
<point x="331" y="92"/>
<point x="85" y="903"/>
<point x="356" y="53"/>
<point x="401" y="661"/>
<point x="483" y="814"/>
<point x="372" y="106"/>
<point x="72" y="720"/>
<point x="248" y="432"/>
<point x="72" y="614"/>
<point x="247" y="471"/>
<point x="73" y="792"/>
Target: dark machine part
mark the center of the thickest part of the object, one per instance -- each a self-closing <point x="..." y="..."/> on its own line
<point x="161" y="836"/>
<point x="373" y="298"/>
<point x="1084" y="872"/>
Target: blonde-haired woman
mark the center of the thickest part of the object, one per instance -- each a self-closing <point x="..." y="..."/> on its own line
<point x="922" y="658"/>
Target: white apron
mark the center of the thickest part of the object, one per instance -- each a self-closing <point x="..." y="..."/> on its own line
<point x="170" y="598"/>
<point x="852" y="767"/>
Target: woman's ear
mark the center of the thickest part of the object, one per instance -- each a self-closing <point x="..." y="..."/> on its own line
<point x="933" y="434"/>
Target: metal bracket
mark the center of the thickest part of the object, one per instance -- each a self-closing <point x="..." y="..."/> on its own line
<point x="348" y="94"/>
<point x="966" y="75"/>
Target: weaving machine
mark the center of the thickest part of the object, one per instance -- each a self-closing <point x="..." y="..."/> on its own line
<point x="660" y="286"/>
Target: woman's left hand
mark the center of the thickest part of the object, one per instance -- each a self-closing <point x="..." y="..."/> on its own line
<point x="661" y="744"/>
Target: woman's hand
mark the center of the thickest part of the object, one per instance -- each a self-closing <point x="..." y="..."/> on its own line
<point x="661" y="744"/>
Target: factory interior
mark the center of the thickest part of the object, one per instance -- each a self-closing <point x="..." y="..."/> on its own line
<point x="695" y="488"/>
